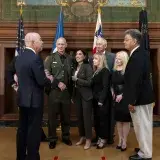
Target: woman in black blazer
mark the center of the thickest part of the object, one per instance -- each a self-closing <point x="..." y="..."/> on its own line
<point x="82" y="97"/>
<point x="101" y="98"/>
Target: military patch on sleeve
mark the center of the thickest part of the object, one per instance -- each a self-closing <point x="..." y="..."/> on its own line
<point x="47" y="58"/>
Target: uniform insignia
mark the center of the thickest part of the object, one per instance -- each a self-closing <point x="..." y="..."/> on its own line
<point x="46" y="58"/>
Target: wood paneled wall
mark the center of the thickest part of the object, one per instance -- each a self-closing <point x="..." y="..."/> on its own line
<point x="78" y="35"/>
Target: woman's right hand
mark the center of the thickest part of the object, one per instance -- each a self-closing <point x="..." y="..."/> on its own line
<point x="72" y="101"/>
<point x="119" y="98"/>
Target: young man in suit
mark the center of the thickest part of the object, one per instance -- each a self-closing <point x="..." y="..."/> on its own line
<point x="30" y="97"/>
<point x="101" y="46"/>
<point x="139" y="94"/>
<point x="59" y="65"/>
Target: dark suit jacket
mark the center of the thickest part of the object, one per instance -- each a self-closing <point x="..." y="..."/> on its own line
<point x="110" y="57"/>
<point x="137" y="87"/>
<point x="31" y="79"/>
<point x="101" y="86"/>
<point x="83" y="83"/>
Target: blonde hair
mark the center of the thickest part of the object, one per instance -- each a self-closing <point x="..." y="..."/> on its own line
<point x="124" y="57"/>
<point x="102" y="62"/>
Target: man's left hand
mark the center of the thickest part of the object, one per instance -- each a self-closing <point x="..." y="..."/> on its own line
<point x="15" y="87"/>
<point x="131" y="108"/>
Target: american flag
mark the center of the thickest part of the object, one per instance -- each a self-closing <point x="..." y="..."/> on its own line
<point x="20" y="37"/>
<point x="98" y="30"/>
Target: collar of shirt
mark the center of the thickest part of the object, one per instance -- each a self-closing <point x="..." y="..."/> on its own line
<point x="62" y="55"/>
<point x="31" y="49"/>
<point x="133" y="50"/>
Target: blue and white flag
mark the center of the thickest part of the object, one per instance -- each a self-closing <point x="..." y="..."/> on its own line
<point x="59" y="31"/>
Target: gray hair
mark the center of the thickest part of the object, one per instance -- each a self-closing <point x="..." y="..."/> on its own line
<point x="134" y="33"/>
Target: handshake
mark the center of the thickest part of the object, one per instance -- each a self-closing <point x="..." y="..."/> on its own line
<point x="61" y="85"/>
<point x="48" y="75"/>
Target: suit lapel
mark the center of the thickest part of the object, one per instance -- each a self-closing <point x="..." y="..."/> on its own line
<point x="131" y="57"/>
<point x="80" y="70"/>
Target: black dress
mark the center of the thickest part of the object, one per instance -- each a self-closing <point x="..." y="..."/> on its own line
<point x="121" y="109"/>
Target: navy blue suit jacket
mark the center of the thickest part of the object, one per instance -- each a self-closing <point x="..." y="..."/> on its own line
<point x="31" y="79"/>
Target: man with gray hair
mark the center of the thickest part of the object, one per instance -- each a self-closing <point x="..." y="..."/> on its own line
<point x="138" y="94"/>
<point x="59" y="65"/>
<point x="31" y="81"/>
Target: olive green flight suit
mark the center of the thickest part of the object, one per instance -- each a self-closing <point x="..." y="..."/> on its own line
<point x="60" y="66"/>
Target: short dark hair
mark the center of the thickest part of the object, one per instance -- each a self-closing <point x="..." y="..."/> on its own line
<point x="134" y="33"/>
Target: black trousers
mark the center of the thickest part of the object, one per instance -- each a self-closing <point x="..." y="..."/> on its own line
<point x="84" y="115"/>
<point x="43" y="136"/>
<point x="59" y="103"/>
<point x="29" y="133"/>
<point x="100" y="120"/>
<point x="111" y="124"/>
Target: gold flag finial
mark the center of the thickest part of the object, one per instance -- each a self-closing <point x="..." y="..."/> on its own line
<point x="21" y="10"/>
<point x="21" y="3"/>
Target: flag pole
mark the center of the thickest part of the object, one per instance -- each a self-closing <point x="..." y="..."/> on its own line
<point x="20" y="33"/>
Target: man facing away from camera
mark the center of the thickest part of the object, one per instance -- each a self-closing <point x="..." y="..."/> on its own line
<point x="30" y="97"/>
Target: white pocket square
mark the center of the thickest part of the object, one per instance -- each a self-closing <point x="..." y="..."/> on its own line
<point x="54" y="62"/>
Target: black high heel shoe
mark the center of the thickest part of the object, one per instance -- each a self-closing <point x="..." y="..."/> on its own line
<point x="118" y="147"/>
<point x="123" y="149"/>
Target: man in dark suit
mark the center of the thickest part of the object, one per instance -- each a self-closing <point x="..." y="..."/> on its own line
<point x="59" y="65"/>
<point x="138" y="94"/>
<point x="101" y="46"/>
<point x="30" y="98"/>
<point x="13" y="81"/>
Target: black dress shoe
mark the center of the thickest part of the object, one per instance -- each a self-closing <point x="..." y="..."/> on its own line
<point x="123" y="149"/>
<point x="52" y="145"/>
<point x="67" y="142"/>
<point x="137" y="157"/>
<point x="137" y="150"/>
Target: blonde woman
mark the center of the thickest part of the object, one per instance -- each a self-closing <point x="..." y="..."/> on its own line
<point x="101" y="96"/>
<point x="122" y="115"/>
